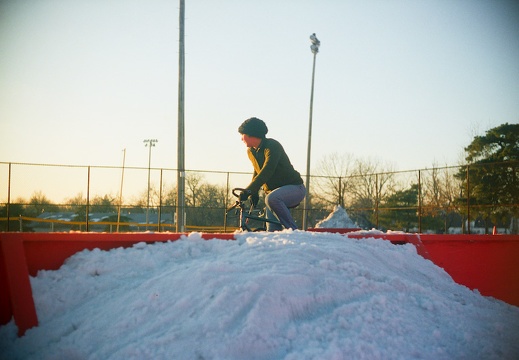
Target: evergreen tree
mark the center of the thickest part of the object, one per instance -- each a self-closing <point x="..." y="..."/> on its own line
<point x="402" y="206"/>
<point x="491" y="178"/>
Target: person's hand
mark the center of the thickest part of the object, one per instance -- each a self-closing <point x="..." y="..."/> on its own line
<point x="244" y="195"/>
<point x="247" y="194"/>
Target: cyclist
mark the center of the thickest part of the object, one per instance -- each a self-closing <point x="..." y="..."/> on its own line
<point x="273" y="171"/>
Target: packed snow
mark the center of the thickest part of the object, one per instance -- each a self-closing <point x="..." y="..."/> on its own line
<point x="286" y="295"/>
<point x="338" y="218"/>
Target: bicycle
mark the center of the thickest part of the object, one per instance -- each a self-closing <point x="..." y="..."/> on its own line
<point x="245" y="215"/>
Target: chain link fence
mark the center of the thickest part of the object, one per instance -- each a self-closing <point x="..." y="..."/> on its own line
<point x="456" y="199"/>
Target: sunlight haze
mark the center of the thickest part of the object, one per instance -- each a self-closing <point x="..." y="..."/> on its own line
<point x="404" y="82"/>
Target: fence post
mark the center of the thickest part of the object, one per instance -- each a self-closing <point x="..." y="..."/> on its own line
<point x="419" y="201"/>
<point x="88" y="199"/>
<point x="341" y="200"/>
<point x="159" y="215"/>
<point x="468" y="200"/>
<point x="225" y="204"/>
<point x="8" y="195"/>
<point x="121" y="192"/>
<point x="376" y="199"/>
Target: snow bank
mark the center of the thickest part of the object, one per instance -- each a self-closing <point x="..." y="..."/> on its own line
<point x="288" y="295"/>
<point x="337" y="219"/>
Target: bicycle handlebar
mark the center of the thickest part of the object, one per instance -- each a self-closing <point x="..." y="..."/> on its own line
<point x="236" y="190"/>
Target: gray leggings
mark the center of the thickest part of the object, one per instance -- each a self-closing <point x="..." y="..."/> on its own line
<point x="278" y="203"/>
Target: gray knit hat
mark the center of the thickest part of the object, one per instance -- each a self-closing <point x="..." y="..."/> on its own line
<point x="253" y="127"/>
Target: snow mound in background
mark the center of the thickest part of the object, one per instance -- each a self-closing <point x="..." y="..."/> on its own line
<point x="287" y="295"/>
<point x="337" y="219"/>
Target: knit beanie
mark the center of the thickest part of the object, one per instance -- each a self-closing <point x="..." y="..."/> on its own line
<point x="253" y="127"/>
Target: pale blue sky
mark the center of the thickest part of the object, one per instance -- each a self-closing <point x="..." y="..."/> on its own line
<point x="403" y="82"/>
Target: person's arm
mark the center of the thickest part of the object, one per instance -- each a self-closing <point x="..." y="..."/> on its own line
<point x="272" y="157"/>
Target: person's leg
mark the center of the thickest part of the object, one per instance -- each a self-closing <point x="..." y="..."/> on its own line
<point x="278" y="203"/>
<point x="271" y="216"/>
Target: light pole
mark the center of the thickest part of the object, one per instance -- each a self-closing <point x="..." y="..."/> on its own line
<point x="315" y="49"/>
<point x="149" y="143"/>
<point x="181" y="170"/>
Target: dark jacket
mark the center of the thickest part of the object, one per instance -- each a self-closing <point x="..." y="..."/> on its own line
<point x="272" y="167"/>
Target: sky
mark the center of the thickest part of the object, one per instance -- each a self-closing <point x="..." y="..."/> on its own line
<point x="287" y="295"/>
<point x="408" y="83"/>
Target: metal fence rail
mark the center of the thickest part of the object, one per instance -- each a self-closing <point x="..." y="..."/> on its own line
<point x="50" y="197"/>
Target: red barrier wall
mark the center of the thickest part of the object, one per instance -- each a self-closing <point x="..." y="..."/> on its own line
<point x="23" y="254"/>
<point x="488" y="263"/>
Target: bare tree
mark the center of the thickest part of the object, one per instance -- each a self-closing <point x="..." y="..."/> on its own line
<point x="106" y="203"/>
<point x="193" y="182"/>
<point x="332" y="183"/>
<point x="39" y="203"/>
<point x="370" y="184"/>
<point x="360" y="184"/>
<point x="440" y="189"/>
<point x="371" y="180"/>
<point x="142" y="199"/>
<point x="79" y="199"/>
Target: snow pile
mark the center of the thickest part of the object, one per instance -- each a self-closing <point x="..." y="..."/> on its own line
<point x="337" y="219"/>
<point x="288" y="295"/>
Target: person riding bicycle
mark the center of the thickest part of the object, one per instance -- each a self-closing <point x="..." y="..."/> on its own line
<point x="273" y="171"/>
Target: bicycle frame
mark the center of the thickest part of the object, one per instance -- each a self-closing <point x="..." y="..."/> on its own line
<point x="246" y="215"/>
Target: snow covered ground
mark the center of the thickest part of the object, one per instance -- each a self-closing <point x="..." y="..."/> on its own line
<point x="287" y="295"/>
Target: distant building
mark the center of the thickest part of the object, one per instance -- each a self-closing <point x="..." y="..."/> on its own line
<point x="70" y="221"/>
